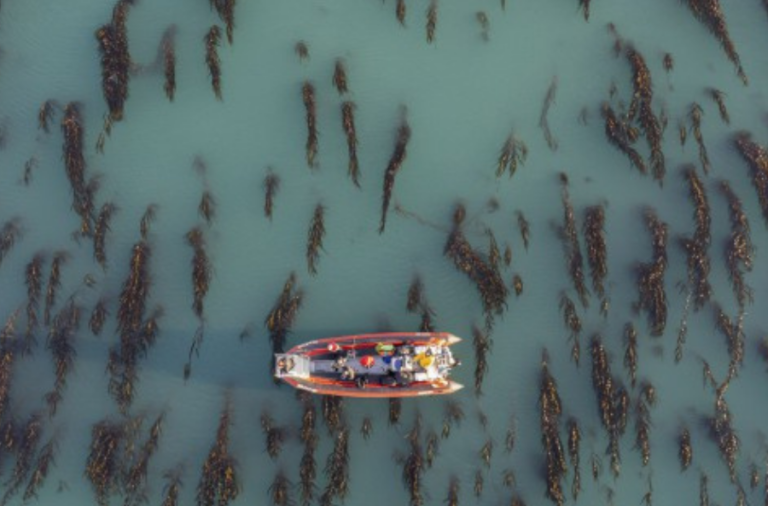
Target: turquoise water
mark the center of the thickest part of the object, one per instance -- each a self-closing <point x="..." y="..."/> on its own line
<point x="464" y="95"/>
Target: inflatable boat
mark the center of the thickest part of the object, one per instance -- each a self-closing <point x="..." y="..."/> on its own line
<point x="382" y="365"/>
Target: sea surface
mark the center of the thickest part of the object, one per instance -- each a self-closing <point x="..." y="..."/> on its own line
<point x="462" y="96"/>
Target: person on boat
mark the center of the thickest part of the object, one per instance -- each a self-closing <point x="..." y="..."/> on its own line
<point x="385" y="349"/>
<point x="362" y="381"/>
<point x="424" y="359"/>
<point x="348" y="373"/>
<point x="340" y="362"/>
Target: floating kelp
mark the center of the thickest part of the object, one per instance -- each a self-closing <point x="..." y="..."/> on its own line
<point x="308" y="465"/>
<point x="333" y="413"/>
<point x="571" y="248"/>
<point x="130" y="316"/>
<point x="453" y="492"/>
<point x="650" y="276"/>
<point x="366" y="428"/>
<point x="524" y="227"/>
<point x="98" y="316"/>
<point x="493" y="250"/>
<point x="103" y="465"/>
<point x="479" y="483"/>
<point x="739" y="250"/>
<point x="703" y="489"/>
<point x="274" y="436"/>
<point x="734" y="336"/>
<point x="511" y="436"/>
<point x="630" y="352"/>
<point x="493" y="291"/>
<point x="7" y="357"/>
<point x="413" y="466"/>
<point x="123" y="359"/>
<point x="574" y="441"/>
<point x="594" y="234"/>
<point x="33" y="278"/>
<point x="45" y="114"/>
<point x="54" y="283"/>
<point x="482" y="418"/>
<point x="337" y="470"/>
<point x="137" y="335"/>
<point x="135" y="480"/>
<point x="550" y="411"/>
<point x="226" y="10"/>
<point x="348" y="123"/>
<point x="415" y="295"/>
<point x="146" y="221"/>
<point x="169" y="61"/>
<point x="74" y="163"/>
<point x="549" y="99"/>
<point x="115" y="60"/>
<point x="696" y="247"/>
<point x="482" y="345"/>
<point x="280" y="318"/>
<point x="612" y="401"/>
<point x="508" y="255"/>
<point x="721" y="431"/>
<point x="340" y="77"/>
<point x="212" y="40"/>
<point x="433" y="443"/>
<point x="172" y="488"/>
<point x="201" y="270"/>
<point x="685" y="450"/>
<point x="219" y="484"/>
<point x="695" y="117"/>
<point x="302" y="50"/>
<point x="698" y="195"/>
<point x="485" y="24"/>
<point x="754" y="477"/>
<point x="719" y="98"/>
<point x="42" y="467"/>
<point x="315" y="238"/>
<point x="683" y="132"/>
<point x="417" y="303"/>
<point x="280" y="490"/>
<point x="308" y="96"/>
<point x="486" y="452"/>
<point x="431" y="21"/>
<point x="641" y="107"/>
<point x="400" y="12"/>
<point x="395" y="410"/>
<point x="621" y="135"/>
<point x="271" y="186"/>
<point x="756" y="157"/>
<point x="207" y="207"/>
<point x="643" y="423"/>
<point x="513" y="152"/>
<point x="29" y="438"/>
<point x="393" y="167"/>
<point x="618" y="44"/>
<point x="517" y="284"/>
<point x="454" y="413"/>
<point x="100" y="233"/>
<point x="710" y="14"/>
<point x="30" y="165"/>
<point x="668" y="62"/>
<point x="573" y="324"/>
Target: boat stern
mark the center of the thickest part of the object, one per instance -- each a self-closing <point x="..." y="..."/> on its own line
<point x="291" y="365"/>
